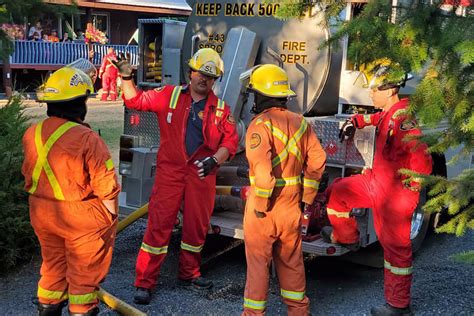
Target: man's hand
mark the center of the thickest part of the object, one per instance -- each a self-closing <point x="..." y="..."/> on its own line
<point x="124" y="68"/>
<point x="205" y="166"/>
<point x="347" y="130"/>
<point x="260" y="214"/>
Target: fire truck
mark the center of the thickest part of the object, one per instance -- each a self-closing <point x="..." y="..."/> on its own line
<point x="246" y="33"/>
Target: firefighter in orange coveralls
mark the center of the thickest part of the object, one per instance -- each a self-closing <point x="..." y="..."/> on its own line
<point x="280" y="147"/>
<point x="73" y="189"/>
<point x="391" y="196"/>
<point x="197" y="134"/>
<point x="108" y="73"/>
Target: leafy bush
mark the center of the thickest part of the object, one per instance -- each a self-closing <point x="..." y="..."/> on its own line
<point x="17" y="240"/>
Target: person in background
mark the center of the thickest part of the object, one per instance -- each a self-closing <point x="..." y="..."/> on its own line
<point x="73" y="197"/>
<point x="66" y="37"/>
<point x="35" y="29"/>
<point x="36" y="37"/>
<point x="54" y="36"/>
<point x="108" y="73"/>
<point x="45" y="38"/>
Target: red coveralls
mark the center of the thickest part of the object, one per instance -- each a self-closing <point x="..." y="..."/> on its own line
<point x="382" y="189"/>
<point x="109" y="74"/>
<point x="177" y="179"/>
<point x="75" y="230"/>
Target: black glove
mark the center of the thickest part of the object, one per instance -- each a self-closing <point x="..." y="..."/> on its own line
<point x="260" y="214"/>
<point x="124" y="68"/>
<point x="206" y="165"/>
<point x="347" y="130"/>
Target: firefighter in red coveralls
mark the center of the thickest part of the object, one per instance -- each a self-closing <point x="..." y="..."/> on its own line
<point x="197" y="134"/>
<point x="108" y="73"/>
<point x="391" y="196"/>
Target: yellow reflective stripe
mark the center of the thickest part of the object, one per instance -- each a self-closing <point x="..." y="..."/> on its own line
<point x="220" y="104"/>
<point x="109" y="164"/>
<point x="310" y="183"/>
<point x="154" y="250"/>
<point x="278" y="133"/>
<point x="330" y="211"/>
<point x="188" y="247"/>
<point x="42" y="162"/>
<point x="52" y="295"/>
<point x="219" y="113"/>
<point x="281" y="182"/>
<point x="253" y="304"/>
<point x="397" y="270"/>
<point x="367" y="119"/>
<point x="292" y="295"/>
<point x="82" y="298"/>
<point x="175" y="97"/>
<point x="287" y="181"/>
<point x="265" y="193"/>
<point x="292" y="143"/>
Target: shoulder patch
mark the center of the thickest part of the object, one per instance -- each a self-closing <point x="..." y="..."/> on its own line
<point x="399" y="113"/>
<point x="231" y="119"/>
<point x="255" y="140"/>
<point x="408" y="125"/>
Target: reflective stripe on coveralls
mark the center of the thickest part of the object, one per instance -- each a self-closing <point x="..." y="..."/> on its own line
<point x="397" y="270"/>
<point x="292" y="295"/>
<point x="82" y="299"/>
<point x="281" y="182"/>
<point x="188" y="247"/>
<point x="257" y="305"/>
<point x="290" y="145"/>
<point x="42" y="162"/>
<point x="52" y="295"/>
<point x="310" y="183"/>
<point x="330" y="211"/>
<point x="154" y="250"/>
<point x="175" y="97"/>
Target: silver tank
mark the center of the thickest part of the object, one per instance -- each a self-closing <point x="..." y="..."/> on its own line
<point x="314" y="73"/>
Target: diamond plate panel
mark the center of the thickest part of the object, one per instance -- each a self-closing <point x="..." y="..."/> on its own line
<point x="327" y="130"/>
<point x="358" y="152"/>
<point x="146" y="129"/>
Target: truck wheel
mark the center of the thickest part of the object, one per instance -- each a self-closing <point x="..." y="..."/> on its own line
<point x="419" y="224"/>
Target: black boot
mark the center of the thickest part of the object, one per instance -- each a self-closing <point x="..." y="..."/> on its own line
<point x="90" y="312"/>
<point x="198" y="283"/>
<point x="142" y="296"/>
<point x="326" y="235"/>
<point x="51" y="309"/>
<point x="389" y="310"/>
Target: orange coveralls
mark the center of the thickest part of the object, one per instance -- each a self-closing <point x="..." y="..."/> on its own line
<point x="68" y="172"/>
<point x="279" y="146"/>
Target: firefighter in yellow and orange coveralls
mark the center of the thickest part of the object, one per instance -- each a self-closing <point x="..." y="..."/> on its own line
<point x="286" y="163"/>
<point x="73" y="189"/>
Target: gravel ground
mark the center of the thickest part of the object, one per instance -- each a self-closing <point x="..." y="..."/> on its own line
<point x="335" y="286"/>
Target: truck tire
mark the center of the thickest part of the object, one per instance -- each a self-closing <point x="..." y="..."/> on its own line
<point x="419" y="224"/>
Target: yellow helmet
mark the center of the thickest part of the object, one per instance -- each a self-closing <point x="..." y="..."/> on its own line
<point x="382" y="74"/>
<point x="65" y="84"/>
<point x="269" y="80"/>
<point x="208" y="62"/>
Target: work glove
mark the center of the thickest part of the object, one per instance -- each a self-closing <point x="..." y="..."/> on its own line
<point x="260" y="214"/>
<point x="124" y="68"/>
<point x="205" y="166"/>
<point x="347" y="130"/>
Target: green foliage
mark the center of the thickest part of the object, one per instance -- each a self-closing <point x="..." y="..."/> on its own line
<point x="440" y="50"/>
<point x="17" y="240"/>
<point x="465" y="257"/>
